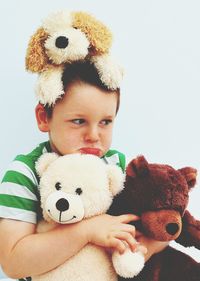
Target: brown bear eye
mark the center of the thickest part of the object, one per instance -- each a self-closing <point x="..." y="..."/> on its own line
<point x="58" y="186"/>
<point x="79" y="191"/>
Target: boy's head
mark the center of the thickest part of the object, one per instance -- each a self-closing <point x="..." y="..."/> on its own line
<point x="82" y="119"/>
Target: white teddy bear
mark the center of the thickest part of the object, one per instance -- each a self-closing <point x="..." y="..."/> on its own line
<point x="74" y="187"/>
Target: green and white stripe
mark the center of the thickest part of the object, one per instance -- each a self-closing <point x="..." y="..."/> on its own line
<point x="19" y="196"/>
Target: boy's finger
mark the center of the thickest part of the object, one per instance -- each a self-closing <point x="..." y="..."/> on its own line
<point x="142" y="249"/>
<point x="127" y="239"/>
<point x="128" y="228"/>
<point x="128" y="218"/>
<point x="118" y="245"/>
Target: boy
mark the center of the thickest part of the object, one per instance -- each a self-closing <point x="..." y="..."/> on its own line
<point x="79" y="121"/>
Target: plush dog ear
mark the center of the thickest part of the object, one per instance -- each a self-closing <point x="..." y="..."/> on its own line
<point x="137" y="166"/>
<point x="44" y="161"/>
<point x="97" y="33"/>
<point x="190" y="175"/>
<point x="116" y="178"/>
<point x="36" y="58"/>
<point x="190" y="235"/>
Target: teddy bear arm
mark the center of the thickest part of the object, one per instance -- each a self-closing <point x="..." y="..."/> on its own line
<point x="190" y="235"/>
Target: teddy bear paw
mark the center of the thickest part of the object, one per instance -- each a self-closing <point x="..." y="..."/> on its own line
<point x="128" y="264"/>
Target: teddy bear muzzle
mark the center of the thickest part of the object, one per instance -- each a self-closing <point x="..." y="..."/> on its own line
<point x="162" y="225"/>
<point x="63" y="208"/>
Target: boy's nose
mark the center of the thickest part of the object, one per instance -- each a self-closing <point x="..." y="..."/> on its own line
<point x="92" y="134"/>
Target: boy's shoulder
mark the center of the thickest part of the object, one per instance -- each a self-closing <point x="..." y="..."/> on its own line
<point x="115" y="157"/>
<point x="30" y="158"/>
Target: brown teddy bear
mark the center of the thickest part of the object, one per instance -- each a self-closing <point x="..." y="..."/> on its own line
<point x="66" y="37"/>
<point x="159" y="195"/>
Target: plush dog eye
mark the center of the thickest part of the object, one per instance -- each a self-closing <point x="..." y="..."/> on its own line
<point x="79" y="191"/>
<point x="58" y="185"/>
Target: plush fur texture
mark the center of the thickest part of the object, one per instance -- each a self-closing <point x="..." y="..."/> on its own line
<point x="159" y="194"/>
<point x="64" y="38"/>
<point x="72" y="188"/>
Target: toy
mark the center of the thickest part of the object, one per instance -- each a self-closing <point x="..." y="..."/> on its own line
<point x="159" y="194"/>
<point x="64" y="38"/>
<point x="74" y="187"/>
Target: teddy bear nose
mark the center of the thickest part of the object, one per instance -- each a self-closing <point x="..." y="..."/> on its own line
<point x="172" y="228"/>
<point x="62" y="205"/>
<point x="61" y="42"/>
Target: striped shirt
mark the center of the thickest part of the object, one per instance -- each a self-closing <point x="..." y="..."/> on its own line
<point x="19" y="194"/>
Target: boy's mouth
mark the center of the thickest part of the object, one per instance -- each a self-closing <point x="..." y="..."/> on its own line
<point x="90" y="150"/>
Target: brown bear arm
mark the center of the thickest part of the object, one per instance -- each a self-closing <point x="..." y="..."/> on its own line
<point x="190" y="235"/>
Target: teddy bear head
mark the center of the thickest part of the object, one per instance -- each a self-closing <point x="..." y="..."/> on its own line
<point x="158" y="193"/>
<point x="76" y="186"/>
<point x="65" y="37"/>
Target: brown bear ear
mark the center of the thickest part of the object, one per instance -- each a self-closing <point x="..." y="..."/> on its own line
<point x="190" y="175"/>
<point x="137" y="166"/>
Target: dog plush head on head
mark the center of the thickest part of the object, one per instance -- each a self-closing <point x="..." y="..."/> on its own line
<point x="66" y="37"/>
<point x="73" y="187"/>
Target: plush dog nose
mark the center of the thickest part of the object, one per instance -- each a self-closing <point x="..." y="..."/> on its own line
<point x="62" y="205"/>
<point x="61" y="42"/>
<point x="172" y="228"/>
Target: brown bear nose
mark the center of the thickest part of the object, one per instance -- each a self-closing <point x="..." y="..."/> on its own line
<point x="62" y="205"/>
<point x="172" y="228"/>
<point x="61" y="42"/>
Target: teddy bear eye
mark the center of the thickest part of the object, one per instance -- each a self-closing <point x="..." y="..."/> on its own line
<point x="79" y="191"/>
<point x="58" y="185"/>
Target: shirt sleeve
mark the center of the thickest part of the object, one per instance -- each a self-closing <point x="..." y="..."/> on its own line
<point x="19" y="197"/>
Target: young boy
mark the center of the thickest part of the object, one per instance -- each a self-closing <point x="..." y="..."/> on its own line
<point x="81" y="121"/>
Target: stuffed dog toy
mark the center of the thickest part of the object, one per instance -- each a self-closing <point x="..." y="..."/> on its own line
<point x="159" y="195"/>
<point x="66" y="37"/>
<point x="74" y="187"/>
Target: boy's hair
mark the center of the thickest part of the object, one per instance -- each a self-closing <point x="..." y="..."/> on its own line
<point x="85" y="72"/>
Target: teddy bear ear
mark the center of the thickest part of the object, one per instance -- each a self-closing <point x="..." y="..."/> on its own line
<point x="36" y="58"/>
<point x="116" y="179"/>
<point x="137" y="166"/>
<point x="190" y="175"/>
<point x="44" y="161"/>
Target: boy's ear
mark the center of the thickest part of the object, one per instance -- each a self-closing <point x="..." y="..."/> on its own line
<point x="42" y="119"/>
<point x="116" y="179"/>
<point x="44" y="161"/>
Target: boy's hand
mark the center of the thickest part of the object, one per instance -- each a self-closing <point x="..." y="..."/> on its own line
<point x="112" y="231"/>
<point x="152" y="246"/>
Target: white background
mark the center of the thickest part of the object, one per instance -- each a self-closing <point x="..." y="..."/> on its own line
<point x="157" y="42"/>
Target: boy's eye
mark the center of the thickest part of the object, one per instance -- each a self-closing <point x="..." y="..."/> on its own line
<point x="106" y="121"/>
<point x="58" y="186"/>
<point x="78" y="121"/>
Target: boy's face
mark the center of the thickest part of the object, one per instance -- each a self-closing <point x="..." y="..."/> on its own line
<point x="82" y="121"/>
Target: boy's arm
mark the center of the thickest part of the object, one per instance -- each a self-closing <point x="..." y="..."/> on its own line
<point x="26" y="253"/>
